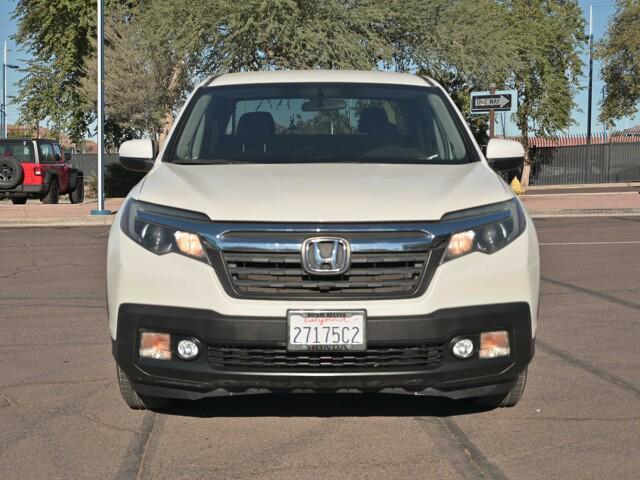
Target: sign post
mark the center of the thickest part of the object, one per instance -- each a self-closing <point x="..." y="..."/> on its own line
<point x="492" y="113"/>
<point x="100" y="120"/>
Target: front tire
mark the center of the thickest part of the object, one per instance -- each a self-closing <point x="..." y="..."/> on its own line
<point x="77" y="196"/>
<point x="509" y="399"/>
<point x="53" y="194"/>
<point x="137" y="401"/>
<point x="19" y="200"/>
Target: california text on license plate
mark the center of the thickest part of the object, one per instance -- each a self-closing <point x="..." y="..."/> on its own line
<point x="323" y="330"/>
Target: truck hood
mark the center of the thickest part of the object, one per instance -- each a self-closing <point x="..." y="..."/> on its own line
<point x="323" y="192"/>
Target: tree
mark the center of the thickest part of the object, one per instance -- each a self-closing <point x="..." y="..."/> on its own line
<point x="137" y="96"/>
<point x="550" y="36"/>
<point x="620" y="53"/>
<point x="56" y="33"/>
<point x="158" y="49"/>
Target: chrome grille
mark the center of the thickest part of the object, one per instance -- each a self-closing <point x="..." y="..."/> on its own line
<point x="370" y="274"/>
<point x="239" y="358"/>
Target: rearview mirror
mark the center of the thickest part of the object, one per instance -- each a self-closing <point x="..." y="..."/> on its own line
<point x="137" y="155"/>
<point x="504" y="155"/>
<point x="322" y="104"/>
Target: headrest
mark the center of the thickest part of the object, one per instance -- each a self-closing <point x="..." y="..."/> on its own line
<point x="372" y="119"/>
<point x="255" y="127"/>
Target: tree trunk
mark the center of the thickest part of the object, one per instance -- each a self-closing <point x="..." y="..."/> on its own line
<point x="167" y="123"/>
<point x="526" y="169"/>
<point x="175" y="91"/>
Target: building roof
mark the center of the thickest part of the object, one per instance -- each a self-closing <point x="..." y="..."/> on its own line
<point x="319" y="76"/>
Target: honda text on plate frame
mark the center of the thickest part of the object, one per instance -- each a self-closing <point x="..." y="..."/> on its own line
<point x="322" y="231"/>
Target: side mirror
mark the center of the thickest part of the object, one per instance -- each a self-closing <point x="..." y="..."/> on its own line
<point x="67" y="156"/>
<point x="137" y="155"/>
<point x="504" y="155"/>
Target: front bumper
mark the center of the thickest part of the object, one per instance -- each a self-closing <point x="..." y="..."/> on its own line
<point x="198" y="378"/>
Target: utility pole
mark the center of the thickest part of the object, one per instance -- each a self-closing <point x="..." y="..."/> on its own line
<point x="4" y="92"/>
<point x="590" y="89"/>
<point x="5" y="65"/>
<point x="492" y="113"/>
<point x="100" y="173"/>
<point x="604" y="96"/>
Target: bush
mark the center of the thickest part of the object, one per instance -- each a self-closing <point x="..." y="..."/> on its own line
<point x="117" y="183"/>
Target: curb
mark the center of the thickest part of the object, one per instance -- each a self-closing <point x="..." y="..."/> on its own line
<point x="87" y="221"/>
<point x="586" y="212"/>
<point x="583" y="185"/>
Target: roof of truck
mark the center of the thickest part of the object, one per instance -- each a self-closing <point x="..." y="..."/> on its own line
<point x="319" y="76"/>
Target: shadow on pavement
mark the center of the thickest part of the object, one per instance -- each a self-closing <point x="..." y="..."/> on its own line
<point x="324" y="405"/>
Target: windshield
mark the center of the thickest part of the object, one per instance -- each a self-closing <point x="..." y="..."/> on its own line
<point x="319" y="123"/>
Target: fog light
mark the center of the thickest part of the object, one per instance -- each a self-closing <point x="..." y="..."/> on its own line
<point x="187" y="349"/>
<point x="155" y="345"/>
<point x="494" y="344"/>
<point x="463" y="348"/>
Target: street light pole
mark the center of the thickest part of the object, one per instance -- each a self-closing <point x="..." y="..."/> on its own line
<point x="590" y="87"/>
<point x="4" y="92"/>
<point x="5" y="65"/>
<point x="100" y="173"/>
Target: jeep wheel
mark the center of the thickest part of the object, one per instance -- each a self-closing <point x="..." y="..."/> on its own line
<point x="77" y="195"/>
<point x="509" y="399"/>
<point x="137" y="401"/>
<point x="53" y="193"/>
<point x="10" y="172"/>
<point x="19" y="200"/>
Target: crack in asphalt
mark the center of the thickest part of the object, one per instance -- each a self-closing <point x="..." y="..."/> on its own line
<point x="132" y="466"/>
<point x="462" y="454"/>
<point x="49" y="414"/>
<point x="475" y="460"/>
<point x="588" y="367"/>
<point x="22" y="270"/>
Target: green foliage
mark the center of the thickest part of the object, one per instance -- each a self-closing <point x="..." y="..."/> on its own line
<point x="136" y="73"/>
<point x="294" y="34"/>
<point x="56" y="33"/>
<point x="550" y="36"/>
<point x="119" y="181"/>
<point x="620" y="52"/>
<point x="158" y="49"/>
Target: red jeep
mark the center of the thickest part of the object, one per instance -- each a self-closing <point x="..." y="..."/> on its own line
<point x="37" y="168"/>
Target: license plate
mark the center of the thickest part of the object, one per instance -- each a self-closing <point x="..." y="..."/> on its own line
<point x="321" y="330"/>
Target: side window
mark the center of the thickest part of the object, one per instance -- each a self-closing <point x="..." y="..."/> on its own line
<point x="46" y="153"/>
<point x="57" y="153"/>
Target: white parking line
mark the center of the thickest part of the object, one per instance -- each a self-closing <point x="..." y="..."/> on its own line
<point x="632" y="242"/>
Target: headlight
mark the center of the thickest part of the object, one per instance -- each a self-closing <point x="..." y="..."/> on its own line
<point x="486" y="238"/>
<point x="154" y="228"/>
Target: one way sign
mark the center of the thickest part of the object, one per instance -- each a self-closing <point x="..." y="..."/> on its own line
<point x="501" y="101"/>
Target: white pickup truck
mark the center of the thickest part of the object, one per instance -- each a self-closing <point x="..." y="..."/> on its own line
<point x="322" y="230"/>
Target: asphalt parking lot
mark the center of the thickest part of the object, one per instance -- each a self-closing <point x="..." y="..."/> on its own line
<point x="61" y="415"/>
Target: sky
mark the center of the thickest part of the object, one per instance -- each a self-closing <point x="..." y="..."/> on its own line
<point x="602" y="10"/>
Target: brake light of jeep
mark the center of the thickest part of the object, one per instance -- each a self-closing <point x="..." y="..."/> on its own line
<point x="37" y="170"/>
